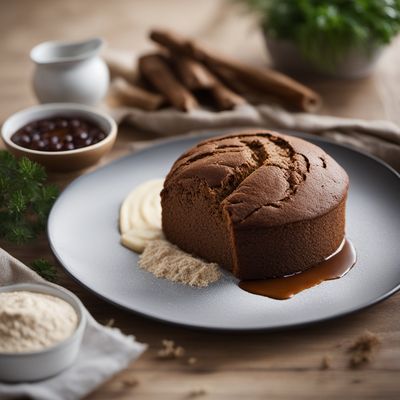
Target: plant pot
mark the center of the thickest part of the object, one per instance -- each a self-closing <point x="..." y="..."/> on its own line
<point x="356" y="63"/>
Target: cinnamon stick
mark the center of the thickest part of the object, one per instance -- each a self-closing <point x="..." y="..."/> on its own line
<point x="193" y="74"/>
<point x="225" y="99"/>
<point x="155" y="68"/>
<point x="251" y="94"/>
<point x="135" y="96"/>
<point x="293" y="93"/>
<point x="196" y="77"/>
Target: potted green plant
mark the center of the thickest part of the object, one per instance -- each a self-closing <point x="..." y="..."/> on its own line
<point x="337" y="37"/>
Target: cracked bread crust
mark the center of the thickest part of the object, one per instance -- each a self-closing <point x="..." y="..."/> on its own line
<point x="272" y="204"/>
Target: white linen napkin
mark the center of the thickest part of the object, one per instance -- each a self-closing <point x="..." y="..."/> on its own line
<point x="104" y="351"/>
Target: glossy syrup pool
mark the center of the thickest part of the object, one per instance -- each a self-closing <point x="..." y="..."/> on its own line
<point x="334" y="267"/>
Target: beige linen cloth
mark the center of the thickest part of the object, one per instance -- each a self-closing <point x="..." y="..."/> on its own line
<point x="377" y="137"/>
<point x="104" y="351"/>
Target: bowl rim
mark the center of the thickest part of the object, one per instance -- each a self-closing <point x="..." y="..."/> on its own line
<point x="50" y="289"/>
<point x="6" y="135"/>
<point x="35" y="52"/>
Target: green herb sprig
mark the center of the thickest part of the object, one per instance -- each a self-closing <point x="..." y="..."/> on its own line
<point x="325" y="30"/>
<point x="25" y="199"/>
<point x="45" y="269"/>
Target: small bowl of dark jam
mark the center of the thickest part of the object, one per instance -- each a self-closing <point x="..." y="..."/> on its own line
<point x="62" y="137"/>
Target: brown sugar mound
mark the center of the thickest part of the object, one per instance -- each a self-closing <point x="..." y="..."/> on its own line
<point x="258" y="203"/>
<point x="164" y="260"/>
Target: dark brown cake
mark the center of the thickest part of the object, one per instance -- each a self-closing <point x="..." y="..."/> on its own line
<point x="258" y="203"/>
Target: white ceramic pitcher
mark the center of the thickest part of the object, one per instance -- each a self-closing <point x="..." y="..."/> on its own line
<point x="70" y="72"/>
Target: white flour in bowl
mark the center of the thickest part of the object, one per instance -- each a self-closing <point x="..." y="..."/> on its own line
<point x="31" y="321"/>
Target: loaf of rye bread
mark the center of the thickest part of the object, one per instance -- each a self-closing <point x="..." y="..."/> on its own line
<point x="259" y="203"/>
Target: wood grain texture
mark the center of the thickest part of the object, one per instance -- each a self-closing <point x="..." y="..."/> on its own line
<point x="279" y="365"/>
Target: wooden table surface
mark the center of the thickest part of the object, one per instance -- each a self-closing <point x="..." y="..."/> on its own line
<point x="282" y="365"/>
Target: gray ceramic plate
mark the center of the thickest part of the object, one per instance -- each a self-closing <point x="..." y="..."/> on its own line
<point x="83" y="232"/>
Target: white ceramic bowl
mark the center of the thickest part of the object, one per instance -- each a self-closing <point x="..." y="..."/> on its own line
<point x="32" y="366"/>
<point x="358" y="62"/>
<point x="62" y="161"/>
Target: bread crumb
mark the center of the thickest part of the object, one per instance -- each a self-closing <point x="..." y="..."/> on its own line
<point x="170" y="350"/>
<point x="130" y="381"/>
<point x="326" y="362"/>
<point x="362" y="349"/>
<point x="179" y="352"/>
<point x="197" y="393"/>
<point x="192" y="360"/>
<point x="164" y="260"/>
<point x="124" y="383"/>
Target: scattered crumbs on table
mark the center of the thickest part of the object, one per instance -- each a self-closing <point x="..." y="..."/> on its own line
<point x="326" y="362"/>
<point x="192" y="360"/>
<point x="129" y="382"/>
<point x="197" y="393"/>
<point x="126" y="382"/>
<point x="170" y="350"/>
<point x="362" y="349"/>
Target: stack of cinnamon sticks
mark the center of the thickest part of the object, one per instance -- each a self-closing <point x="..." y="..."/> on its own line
<point x="186" y="75"/>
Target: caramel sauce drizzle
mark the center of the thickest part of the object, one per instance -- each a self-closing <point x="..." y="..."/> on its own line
<point x="335" y="266"/>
